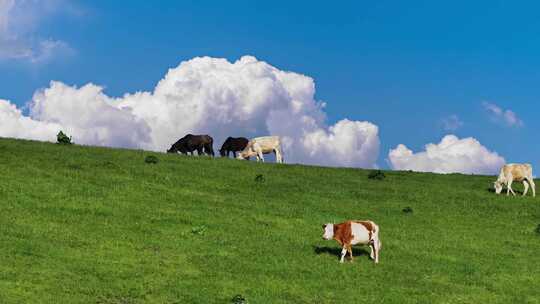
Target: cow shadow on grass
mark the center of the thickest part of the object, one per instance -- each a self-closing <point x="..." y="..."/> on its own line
<point x="503" y="192"/>
<point x="336" y="251"/>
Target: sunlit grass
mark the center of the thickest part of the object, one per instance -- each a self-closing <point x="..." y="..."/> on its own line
<point x="96" y="225"/>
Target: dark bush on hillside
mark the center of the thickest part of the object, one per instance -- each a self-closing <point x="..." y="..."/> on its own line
<point x="407" y="210"/>
<point x="538" y="229"/>
<point x="151" y="159"/>
<point x="376" y="175"/>
<point x="63" y="139"/>
<point x="259" y="178"/>
<point x="239" y="299"/>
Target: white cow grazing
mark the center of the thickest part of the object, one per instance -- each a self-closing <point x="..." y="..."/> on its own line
<point x="262" y="145"/>
<point x="515" y="172"/>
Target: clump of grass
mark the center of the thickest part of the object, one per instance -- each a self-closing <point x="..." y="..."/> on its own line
<point x="109" y="164"/>
<point x="239" y="299"/>
<point x="259" y="178"/>
<point x="75" y="167"/>
<point x="407" y="210"/>
<point x="198" y="230"/>
<point x="63" y="139"/>
<point x="151" y="159"/>
<point x="376" y="175"/>
<point x="538" y="229"/>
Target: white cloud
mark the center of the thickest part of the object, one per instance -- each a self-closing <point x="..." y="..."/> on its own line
<point x="89" y="115"/>
<point x="498" y="114"/>
<point x="14" y="124"/>
<point x="451" y="155"/>
<point x="213" y="96"/>
<point x="19" y="23"/>
<point x="451" y="123"/>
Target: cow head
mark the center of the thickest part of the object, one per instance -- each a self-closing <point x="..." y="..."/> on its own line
<point x="328" y="231"/>
<point x="244" y="155"/>
<point x="498" y="187"/>
<point x="222" y="152"/>
<point x="172" y="150"/>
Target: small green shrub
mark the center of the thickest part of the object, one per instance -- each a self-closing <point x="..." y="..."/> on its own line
<point x="377" y="175"/>
<point x="407" y="210"/>
<point x="239" y="299"/>
<point x="199" y="230"/>
<point x="538" y="229"/>
<point x="151" y="159"/>
<point x="259" y="178"/>
<point x="63" y="139"/>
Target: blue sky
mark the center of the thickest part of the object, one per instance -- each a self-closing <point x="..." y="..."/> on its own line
<point x="405" y="66"/>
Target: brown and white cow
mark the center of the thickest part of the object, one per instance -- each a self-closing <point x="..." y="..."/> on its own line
<point x="515" y="172"/>
<point x="262" y="145"/>
<point x="352" y="233"/>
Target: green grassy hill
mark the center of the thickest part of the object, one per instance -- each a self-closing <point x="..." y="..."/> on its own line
<point x="97" y="225"/>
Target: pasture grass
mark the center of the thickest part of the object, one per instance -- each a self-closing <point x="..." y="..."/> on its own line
<point x="98" y="225"/>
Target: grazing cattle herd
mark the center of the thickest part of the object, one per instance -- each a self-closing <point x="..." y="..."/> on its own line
<point x="246" y="148"/>
<point x="348" y="233"/>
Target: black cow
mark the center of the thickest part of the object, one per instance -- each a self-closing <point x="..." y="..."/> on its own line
<point x="191" y="143"/>
<point x="233" y="144"/>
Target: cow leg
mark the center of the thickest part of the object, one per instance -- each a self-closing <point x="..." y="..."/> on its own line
<point x="343" y="253"/>
<point x="526" y="186"/>
<point x="372" y="251"/>
<point x="209" y="150"/>
<point x="233" y="153"/>
<point x="278" y="156"/>
<point x="349" y="249"/>
<point x="509" y="186"/>
<point x="377" y="248"/>
<point x="531" y="182"/>
<point x="261" y="156"/>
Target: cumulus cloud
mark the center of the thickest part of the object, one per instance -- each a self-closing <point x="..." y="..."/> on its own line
<point x="89" y="115"/>
<point x="212" y="96"/>
<point x="506" y="117"/>
<point x="19" y="21"/>
<point x="14" y="124"/>
<point x="451" y="155"/>
<point x="451" y="123"/>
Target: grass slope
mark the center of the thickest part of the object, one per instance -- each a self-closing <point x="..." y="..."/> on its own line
<point x="97" y="225"/>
